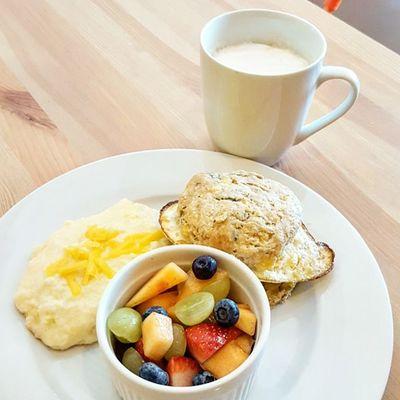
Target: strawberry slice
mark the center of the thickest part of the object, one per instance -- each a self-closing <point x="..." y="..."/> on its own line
<point x="182" y="370"/>
<point x="205" y="339"/>
<point x="140" y="350"/>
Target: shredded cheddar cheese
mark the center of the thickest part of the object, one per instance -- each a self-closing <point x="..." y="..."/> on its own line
<point x="79" y="265"/>
<point x="73" y="285"/>
<point x="98" y="234"/>
<point x="76" y="253"/>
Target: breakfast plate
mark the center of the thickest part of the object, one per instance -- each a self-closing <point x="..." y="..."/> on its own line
<point x="329" y="340"/>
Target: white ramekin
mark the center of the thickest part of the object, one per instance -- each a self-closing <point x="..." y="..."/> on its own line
<point x="247" y="288"/>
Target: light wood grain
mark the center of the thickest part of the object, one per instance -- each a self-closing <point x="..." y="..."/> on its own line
<point x="84" y="79"/>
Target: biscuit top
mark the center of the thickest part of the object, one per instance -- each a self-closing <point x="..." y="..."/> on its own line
<point x="241" y="213"/>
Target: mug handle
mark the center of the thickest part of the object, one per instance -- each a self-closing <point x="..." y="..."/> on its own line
<point x="327" y="73"/>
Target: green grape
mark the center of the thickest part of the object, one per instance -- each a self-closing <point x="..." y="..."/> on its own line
<point x="122" y="340"/>
<point x="195" y="308"/>
<point x="178" y="347"/>
<point x="219" y="289"/>
<point x="132" y="360"/>
<point x="126" y="324"/>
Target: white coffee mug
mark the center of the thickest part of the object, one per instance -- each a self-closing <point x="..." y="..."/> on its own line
<point x="261" y="116"/>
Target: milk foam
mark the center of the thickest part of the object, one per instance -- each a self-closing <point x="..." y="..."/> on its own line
<point x="262" y="59"/>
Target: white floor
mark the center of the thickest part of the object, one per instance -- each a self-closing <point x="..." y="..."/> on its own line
<point x="379" y="19"/>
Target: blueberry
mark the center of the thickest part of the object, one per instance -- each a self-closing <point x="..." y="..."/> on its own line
<point x="157" y="309"/>
<point x="226" y="312"/>
<point x="202" y="378"/>
<point x="153" y="373"/>
<point x="204" y="267"/>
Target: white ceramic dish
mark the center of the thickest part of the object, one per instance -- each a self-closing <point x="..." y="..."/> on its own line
<point x="332" y="339"/>
<point x="246" y="288"/>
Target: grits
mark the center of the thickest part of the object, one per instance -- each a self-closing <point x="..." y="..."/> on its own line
<point x="53" y="313"/>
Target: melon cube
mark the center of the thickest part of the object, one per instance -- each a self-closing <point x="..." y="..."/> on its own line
<point x="247" y="320"/>
<point x="245" y="342"/>
<point x="166" y="300"/>
<point x="157" y="335"/>
<point x="166" y="278"/>
<point x="225" y="360"/>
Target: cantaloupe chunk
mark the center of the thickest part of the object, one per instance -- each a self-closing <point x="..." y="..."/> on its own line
<point x="212" y="285"/>
<point x="166" y="300"/>
<point x="247" y="321"/>
<point x="157" y="335"/>
<point x="225" y="360"/>
<point x="164" y="279"/>
<point x="245" y="342"/>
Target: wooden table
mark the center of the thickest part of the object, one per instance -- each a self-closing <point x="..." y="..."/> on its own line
<point x="85" y="79"/>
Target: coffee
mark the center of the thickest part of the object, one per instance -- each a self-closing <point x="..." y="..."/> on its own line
<point x="262" y="59"/>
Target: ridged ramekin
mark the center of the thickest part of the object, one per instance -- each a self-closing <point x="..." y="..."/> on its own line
<point x="247" y="288"/>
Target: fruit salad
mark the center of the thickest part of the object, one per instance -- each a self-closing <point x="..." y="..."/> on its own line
<point x="182" y="328"/>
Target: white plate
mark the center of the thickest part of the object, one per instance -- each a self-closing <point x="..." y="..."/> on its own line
<point x="331" y="340"/>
